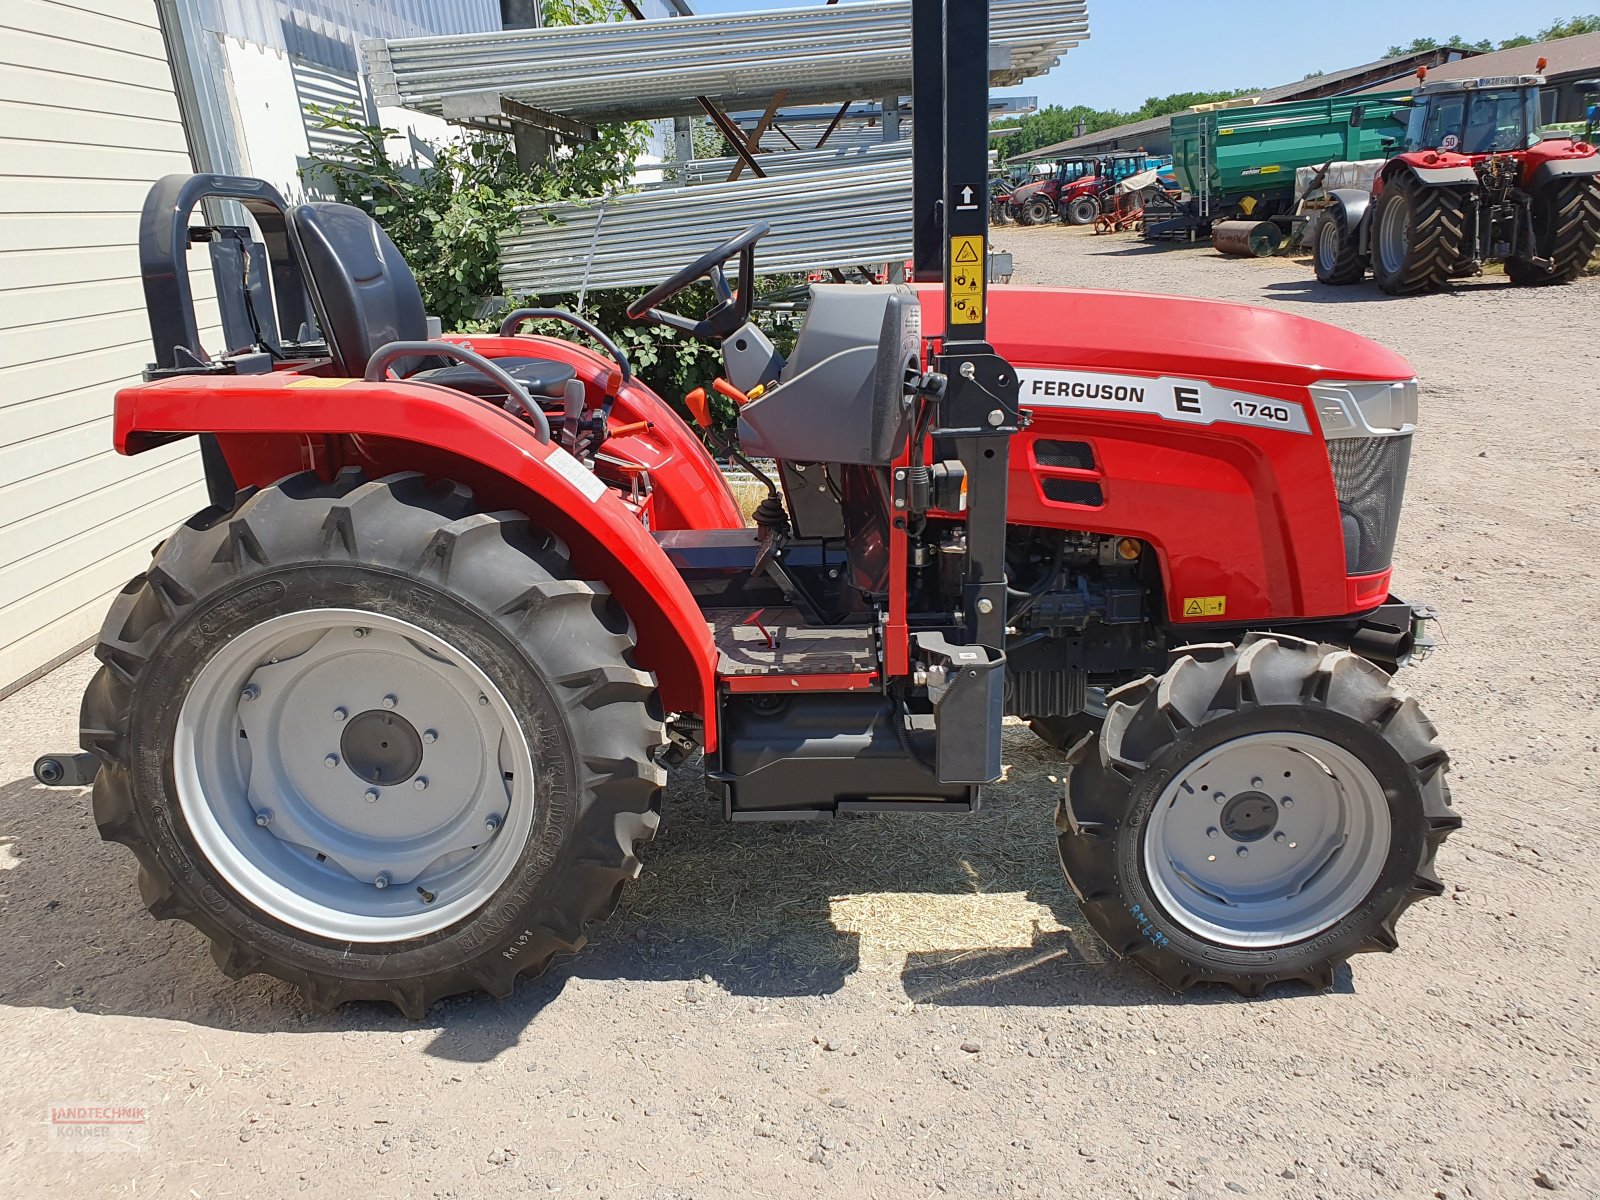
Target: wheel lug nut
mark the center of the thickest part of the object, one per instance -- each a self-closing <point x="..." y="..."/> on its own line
<point x="372" y="795"/>
<point x="390" y="700"/>
<point x="361" y="633"/>
<point x="264" y="817"/>
<point x="420" y="783"/>
<point x="340" y="714"/>
<point x="1243" y="852"/>
<point x="250" y="692"/>
<point x="1256" y="782"/>
<point x="331" y="761"/>
<point x="1280" y="837"/>
<point x="430" y="736"/>
<point x="1288" y="801"/>
<point x="1212" y="832"/>
<point x="492" y="822"/>
<point x="1219" y="797"/>
<point x="482" y="699"/>
<point x="381" y="880"/>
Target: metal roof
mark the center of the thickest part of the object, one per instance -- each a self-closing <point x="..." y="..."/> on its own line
<point x="640" y="70"/>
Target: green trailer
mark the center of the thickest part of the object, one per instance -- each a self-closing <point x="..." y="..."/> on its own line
<point x="1237" y="159"/>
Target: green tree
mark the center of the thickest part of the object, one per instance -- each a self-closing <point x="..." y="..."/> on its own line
<point x="1055" y="124"/>
<point x="1454" y="41"/>
<point x="1571" y="27"/>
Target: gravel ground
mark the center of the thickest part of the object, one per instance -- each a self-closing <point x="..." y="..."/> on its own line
<point x="903" y="1007"/>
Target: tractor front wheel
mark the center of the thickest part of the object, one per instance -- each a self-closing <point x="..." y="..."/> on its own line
<point x="374" y="741"/>
<point x="1258" y="814"/>
<point x="1566" y="231"/>
<point x="1038" y="212"/>
<point x="1063" y="733"/>
<point x="1418" y="233"/>
<point x="1083" y="211"/>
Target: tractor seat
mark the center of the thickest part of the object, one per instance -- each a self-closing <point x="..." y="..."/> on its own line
<point x="366" y="297"/>
<point x="542" y="377"/>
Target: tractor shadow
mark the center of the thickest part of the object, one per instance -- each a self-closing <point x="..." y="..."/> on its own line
<point x="1308" y="291"/>
<point x="966" y="910"/>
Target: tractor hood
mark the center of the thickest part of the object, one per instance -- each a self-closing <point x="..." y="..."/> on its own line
<point x="1132" y="332"/>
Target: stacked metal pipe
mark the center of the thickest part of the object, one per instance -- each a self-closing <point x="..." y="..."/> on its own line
<point x="640" y="70"/>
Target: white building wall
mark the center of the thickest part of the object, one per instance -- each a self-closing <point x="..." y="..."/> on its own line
<point x="88" y="120"/>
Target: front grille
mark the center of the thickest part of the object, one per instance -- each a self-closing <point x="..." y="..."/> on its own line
<point x="1048" y="452"/>
<point x="1369" y="475"/>
<point x="1074" y="491"/>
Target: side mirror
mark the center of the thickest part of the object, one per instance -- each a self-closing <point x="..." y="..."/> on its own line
<point x="1587" y="87"/>
<point x="1357" y="115"/>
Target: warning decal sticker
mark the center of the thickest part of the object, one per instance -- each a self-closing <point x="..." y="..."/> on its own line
<point x="966" y="280"/>
<point x="1205" y="606"/>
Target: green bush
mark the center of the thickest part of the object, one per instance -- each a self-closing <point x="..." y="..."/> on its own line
<point x="447" y="218"/>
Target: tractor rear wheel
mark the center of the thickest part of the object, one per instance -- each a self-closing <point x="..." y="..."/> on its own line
<point x="1038" y="212"/>
<point x="1336" y="255"/>
<point x="1258" y="814"/>
<point x="1083" y="211"/>
<point x="374" y="741"/>
<point x="1566" y="230"/>
<point x="1417" y="235"/>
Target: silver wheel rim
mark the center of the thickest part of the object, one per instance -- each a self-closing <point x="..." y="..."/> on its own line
<point x="1328" y="243"/>
<point x="1394" y="236"/>
<point x="353" y="776"/>
<point x="1267" y="840"/>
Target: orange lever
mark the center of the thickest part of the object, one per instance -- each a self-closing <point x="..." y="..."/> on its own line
<point x="631" y="427"/>
<point x="731" y="392"/>
<point x="699" y="409"/>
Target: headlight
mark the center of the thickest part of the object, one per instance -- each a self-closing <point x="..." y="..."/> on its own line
<point x="1371" y="409"/>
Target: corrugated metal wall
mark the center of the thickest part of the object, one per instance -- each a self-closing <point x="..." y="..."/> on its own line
<point x="88" y="120"/>
<point x="325" y="32"/>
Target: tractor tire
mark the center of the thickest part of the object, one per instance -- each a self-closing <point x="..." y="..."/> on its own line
<point x="1180" y="835"/>
<point x="1417" y="235"/>
<point x="272" y="691"/>
<point x="1566" y="230"/>
<point x="1063" y="733"/>
<point x="1038" y="212"/>
<point x="1335" y="255"/>
<point x="1082" y="211"/>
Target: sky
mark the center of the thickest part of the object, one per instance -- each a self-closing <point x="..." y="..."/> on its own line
<point x="1143" y="48"/>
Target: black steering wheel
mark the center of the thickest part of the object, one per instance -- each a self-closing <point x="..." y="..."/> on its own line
<point x="732" y="308"/>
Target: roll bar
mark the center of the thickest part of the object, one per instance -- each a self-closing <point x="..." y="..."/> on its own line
<point x="163" y="260"/>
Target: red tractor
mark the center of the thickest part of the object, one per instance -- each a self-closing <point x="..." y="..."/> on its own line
<point x="1475" y="182"/>
<point x="1039" y="202"/>
<point x="389" y="719"/>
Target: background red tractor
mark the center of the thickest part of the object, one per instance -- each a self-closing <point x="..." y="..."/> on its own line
<point x="1039" y="202"/>
<point x="1475" y="182"/>
<point x="390" y="718"/>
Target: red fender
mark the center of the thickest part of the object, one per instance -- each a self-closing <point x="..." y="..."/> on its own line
<point x="269" y="426"/>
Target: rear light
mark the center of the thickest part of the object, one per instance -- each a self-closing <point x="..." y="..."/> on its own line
<point x="1368" y="427"/>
